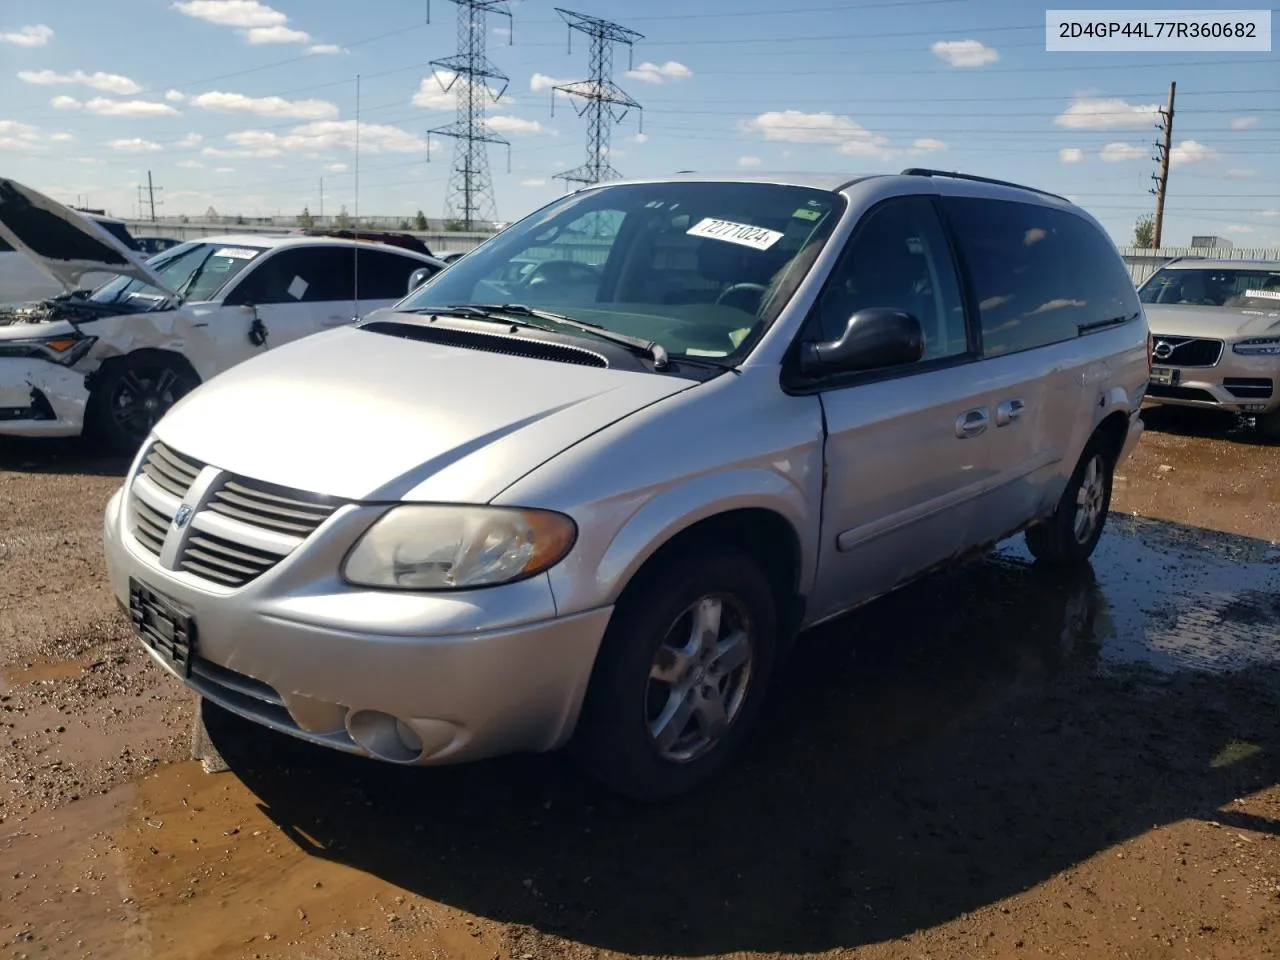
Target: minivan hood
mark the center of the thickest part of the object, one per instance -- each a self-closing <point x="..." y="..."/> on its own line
<point x="1219" y="323"/>
<point x="366" y="416"/>
<point x="62" y="243"/>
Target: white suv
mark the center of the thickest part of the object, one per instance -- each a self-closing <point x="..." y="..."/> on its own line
<point x="110" y="361"/>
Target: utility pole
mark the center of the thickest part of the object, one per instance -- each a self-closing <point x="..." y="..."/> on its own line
<point x="1163" y="150"/>
<point x="322" y="200"/>
<point x="604" y="103"/>
<point x="470" y="195"/>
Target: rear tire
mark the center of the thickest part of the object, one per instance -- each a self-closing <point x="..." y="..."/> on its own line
<point x="1069" y="536"/>
<point x="681" y="677"/>
<point x="131" y="394"/>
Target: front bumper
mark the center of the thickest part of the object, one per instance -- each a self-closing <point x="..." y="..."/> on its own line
<point x="297" y="650"/>
<point x="1236" y="383"/>
<point x="40" y="399"/>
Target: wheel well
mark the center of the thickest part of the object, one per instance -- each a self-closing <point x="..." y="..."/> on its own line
<point x="765" y="536"/>
<point x="1114" y="428"/>
<point x="145" y="353"/>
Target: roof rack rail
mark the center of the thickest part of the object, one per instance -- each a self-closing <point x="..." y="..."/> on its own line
<point x="926" y="172"/>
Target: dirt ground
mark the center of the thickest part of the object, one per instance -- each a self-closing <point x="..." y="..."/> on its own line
<point x="994" y="763"/>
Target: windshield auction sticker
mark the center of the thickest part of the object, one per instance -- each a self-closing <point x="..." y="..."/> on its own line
<point x="743" y="233"/>
<point x="237" y="253"/>
<point x="1158" y="31"/>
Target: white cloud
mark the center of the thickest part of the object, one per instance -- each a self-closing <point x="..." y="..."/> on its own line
<point x="106" y="82"/>
<point x="1093" y="113"/>
<point x="1271" y="213"/>
<point x="653" y="73"/>
<point x="927" y="145"/>
<point x="1237" y="228"/>
<point x="639" y="138"/>
<point x="1115" y="152"/>
<point x="174" y="96"/>
<point x="1190" y="151"/>
<point x="62" y="137"/>
<point x="18" y="137"/>
<point x="748" y="161"/>
<point x="232" y="13"/>
<point x="326" y="48"/>
<point x="540" y="81"/>
<point x="190" y="141"/>
<point x="224" y="170"/>
<point x="91" y="161"/>
<point x="327" y="135"/>
<point x="189" y="164"/>
<point x="36" y="35"/>
<point x="1070" y="154"/>
<point x="336" y="168"/>
<point x="534" y="182"/>
<point x="221" y="102"/>
<point x="115" y="108"/>
<point x="1243" y="123"/>
<point x="502" y="31"/>
<point x="432" y="94"/>
<point x="965" y="53"/>
<point x="16" y="129"/>
<point x="135" y="145"/>
<point x="258" y="35"/>
<point x="794" y="126"/>
<point x="1240" y="173"/>
<point x="508" y="124"/>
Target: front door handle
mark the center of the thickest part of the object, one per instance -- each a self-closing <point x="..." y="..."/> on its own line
<point x="1009" y="411"/>
<point x="971" y="423"/>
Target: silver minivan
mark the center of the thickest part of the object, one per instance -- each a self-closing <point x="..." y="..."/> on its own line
<point x="592" y="503"/>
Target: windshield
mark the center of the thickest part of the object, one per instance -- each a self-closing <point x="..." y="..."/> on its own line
<point x="1214" y="286"/>
<point x="196" y="271"/>
<point x="700" y="268"/>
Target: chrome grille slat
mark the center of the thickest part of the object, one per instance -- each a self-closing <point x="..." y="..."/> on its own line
<point x="257" y="524"/>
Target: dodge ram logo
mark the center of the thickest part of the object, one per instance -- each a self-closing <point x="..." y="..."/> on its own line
<point x="1163" y="350"/>
<point x="181" y="517"/>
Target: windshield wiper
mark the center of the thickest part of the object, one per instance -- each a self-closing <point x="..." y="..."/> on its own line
<point x="495" y="311"/>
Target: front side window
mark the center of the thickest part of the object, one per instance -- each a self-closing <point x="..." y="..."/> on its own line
<point x="195" y="271"/>
<point x="898" y="257"/>
<point x="702" y="268"/>
<point x="1041" y="275"/>
<point x="1256" y="288"/>
<point x="299" y="275"/>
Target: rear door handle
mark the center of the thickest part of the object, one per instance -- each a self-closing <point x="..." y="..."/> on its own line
<point x="1009" y="411"/>
<point x="971" y="423"/>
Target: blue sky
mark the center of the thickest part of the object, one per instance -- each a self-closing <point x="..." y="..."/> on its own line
<point x="244" y="105"/>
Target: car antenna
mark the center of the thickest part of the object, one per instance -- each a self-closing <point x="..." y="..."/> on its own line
<point x="355" y="249"/>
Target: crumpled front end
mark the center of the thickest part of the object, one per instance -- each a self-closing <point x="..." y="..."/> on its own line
<point x="41" y="399"/>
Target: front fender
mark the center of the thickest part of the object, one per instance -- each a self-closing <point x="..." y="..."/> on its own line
<point x="607" y="562"/>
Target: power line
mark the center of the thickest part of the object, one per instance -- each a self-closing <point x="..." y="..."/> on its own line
<point x="604" y="103"/>
<point x="470" y="194"/>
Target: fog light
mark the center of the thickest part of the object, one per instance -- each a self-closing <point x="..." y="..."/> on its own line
<point x="411" y="741"/>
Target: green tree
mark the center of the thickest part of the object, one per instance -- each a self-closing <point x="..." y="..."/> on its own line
<point x="1144" y="231"/>
<point x="404" y="225"/>
<point x="343" y="220"/>
<point x="420" y="221"/>
<point x="305" y="219"/>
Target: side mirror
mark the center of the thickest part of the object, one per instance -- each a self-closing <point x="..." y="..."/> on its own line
<point x="418" y="278"/>
<point x="873" y="338"/>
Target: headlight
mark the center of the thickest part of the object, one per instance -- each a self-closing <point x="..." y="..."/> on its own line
<point x="1259" y="346"/>
<point x="438" y="547"/>
<point x="65" y="348"/>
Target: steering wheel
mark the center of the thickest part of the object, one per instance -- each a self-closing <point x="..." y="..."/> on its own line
<point x="566" y="271"/>
<point x="739" y="288"/>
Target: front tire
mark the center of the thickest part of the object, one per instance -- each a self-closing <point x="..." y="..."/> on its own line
<point x="682" y="675"/>
<point x="1069" y="536"/>
<point x="130" y="396"/>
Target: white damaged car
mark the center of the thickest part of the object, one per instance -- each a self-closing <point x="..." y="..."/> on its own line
<point x="109" y="362"/>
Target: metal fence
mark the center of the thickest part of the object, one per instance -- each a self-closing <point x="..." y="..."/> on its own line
<point x="1143" y="262"/>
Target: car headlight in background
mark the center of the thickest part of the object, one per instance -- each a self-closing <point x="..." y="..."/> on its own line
<point x="444" y="547"/>
<point x="1258" y="347"/>
<point x="65" y="348"/>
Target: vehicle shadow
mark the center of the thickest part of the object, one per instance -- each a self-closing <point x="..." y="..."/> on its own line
<point x="20" y="455"/>
<point x="937" y="751"/>
<point x="1203" y="423"/>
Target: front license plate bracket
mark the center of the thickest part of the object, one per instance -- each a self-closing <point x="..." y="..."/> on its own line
<point x="163" y="626"/>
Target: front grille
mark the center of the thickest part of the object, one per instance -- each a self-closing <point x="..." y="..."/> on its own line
<point x="1180" y="393"/>
<point x="1249" y="388"/>
<point x="1186" y="351"/>
<point x="275" y="508"/>
<point x="237" y="532"/>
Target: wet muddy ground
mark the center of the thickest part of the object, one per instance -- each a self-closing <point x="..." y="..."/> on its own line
<point x="993" y="763"/>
